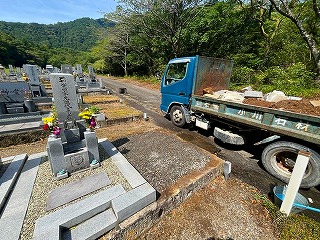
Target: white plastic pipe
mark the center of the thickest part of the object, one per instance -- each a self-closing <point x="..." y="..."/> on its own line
<point x="295" y="181"/>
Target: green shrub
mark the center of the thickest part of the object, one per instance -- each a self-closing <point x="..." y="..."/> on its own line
<point x="293" y="80"/>
<point x="242" y="76"/>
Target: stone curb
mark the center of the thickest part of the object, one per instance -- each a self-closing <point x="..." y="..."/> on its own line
<point x="14" y="213"/>
<point x="10" y="177"/>
<point x="110" y="122"/>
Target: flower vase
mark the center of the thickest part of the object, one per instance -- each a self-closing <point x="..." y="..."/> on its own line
<point x="52" y="135"/>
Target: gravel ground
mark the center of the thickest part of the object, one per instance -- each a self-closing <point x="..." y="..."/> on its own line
<point x="161" y="157"/>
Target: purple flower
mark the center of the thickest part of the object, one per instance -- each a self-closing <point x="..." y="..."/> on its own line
<point x="93" y="122"/>
<point x="56" y="131"/>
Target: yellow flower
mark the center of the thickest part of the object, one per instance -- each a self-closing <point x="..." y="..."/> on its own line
<point x="86" y="114"/>
<point x="48" y="120"/>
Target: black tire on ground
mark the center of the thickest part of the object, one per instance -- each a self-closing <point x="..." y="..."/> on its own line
<point x="177" y="116"/>
<point x="278" y="158"/>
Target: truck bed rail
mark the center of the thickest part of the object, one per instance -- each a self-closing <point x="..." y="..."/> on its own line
<point x="304" y="127"/>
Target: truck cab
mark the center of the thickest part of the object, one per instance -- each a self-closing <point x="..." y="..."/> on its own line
<point x="186" y="76"/>
<point x="177" y="83"/>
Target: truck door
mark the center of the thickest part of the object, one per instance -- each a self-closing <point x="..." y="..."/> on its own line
<point x="176" y="83"/>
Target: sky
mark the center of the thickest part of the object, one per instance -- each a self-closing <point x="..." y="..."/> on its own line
<point x="53" y="11"/>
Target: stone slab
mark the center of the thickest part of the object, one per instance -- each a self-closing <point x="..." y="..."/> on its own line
<point x="9" y="178"/>
<point x="31" y="125"/>
<point x="93" y="228"/>
<point x="72" y="191"/>
<point x="253" y="94"/>
<point x="76" y="213"/>
<point x="6" y="159"/>
<point x="133" y="201"/>
<point x="12" y="127"/>
<point x="128" y="171"/>
<point x="13" y="215"/>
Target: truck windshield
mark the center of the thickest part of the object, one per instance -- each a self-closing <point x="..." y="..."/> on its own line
<point x="175" y="72"/>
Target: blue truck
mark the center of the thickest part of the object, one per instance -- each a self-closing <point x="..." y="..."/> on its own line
<point x="281" y="134"/>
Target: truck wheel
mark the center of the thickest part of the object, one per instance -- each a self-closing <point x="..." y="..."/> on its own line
<point x="177" y="116"/>
<point x="279" y="158"/>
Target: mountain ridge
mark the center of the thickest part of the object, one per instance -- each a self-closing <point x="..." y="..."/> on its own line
<point x="80" y="34"/>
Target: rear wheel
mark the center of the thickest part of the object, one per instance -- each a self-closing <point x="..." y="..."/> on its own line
<point x="279" y="159"/>
<point x="177" y="116"/>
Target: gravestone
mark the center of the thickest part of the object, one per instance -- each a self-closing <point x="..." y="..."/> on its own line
<point x="12" y="97"/>
<point x="32" y="72"/>
<point x="76" y="148"/>
<point x="2" y="72"/>
<point x="79" y="76"/>
<point x="92" y="83"/>
<point x="18" y="72"/>
<point x="65" y="68"/>
<point x="37" y="89"/>
<point x="49" y="68"/>
<point x="65" y="96"/>
<point x="11" y="71"/>
<point x="92" y="77"/>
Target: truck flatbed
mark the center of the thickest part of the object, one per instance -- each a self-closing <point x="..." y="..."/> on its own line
<point x="304" y="127"/>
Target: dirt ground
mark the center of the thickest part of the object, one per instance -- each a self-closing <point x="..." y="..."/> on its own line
<point x="220" y="210"/>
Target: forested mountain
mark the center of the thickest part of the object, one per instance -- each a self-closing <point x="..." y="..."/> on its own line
<point x="81" y="34"/>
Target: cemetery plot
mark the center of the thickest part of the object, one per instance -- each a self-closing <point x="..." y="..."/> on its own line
<point x="118" y="110"/>
<point x="89" y="99"/>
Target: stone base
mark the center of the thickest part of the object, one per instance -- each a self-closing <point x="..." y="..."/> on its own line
<point x="61" y="176"/>
<point x="73" y="156"/>
<point x="95" y="165"/>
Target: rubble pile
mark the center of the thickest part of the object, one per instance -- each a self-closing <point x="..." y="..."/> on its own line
<point x="275" y="99"/>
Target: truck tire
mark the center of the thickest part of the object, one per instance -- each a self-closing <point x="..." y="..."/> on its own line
<point x="279" y="158"/>
<point x="177" y="116"/>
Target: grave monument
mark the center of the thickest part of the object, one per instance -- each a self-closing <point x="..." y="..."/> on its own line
<point x="65" y="68"/>
<point x="92" y="83"/>
<point x="79" y="76"/>
<point x="37" y="89"/>
<point x="11" y="71"/>
<point x="77" y="147"/>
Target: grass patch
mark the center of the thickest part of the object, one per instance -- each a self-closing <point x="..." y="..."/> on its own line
<point x="296" y="226"/>
<point x="117" y="110"/>
<point x="99" y="98"/>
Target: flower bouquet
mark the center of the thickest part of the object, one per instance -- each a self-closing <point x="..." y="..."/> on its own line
<point x="87" y="115"/>
<point x="51" y="124"/>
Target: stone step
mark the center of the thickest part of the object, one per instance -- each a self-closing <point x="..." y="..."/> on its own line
<point x="48" y="227"/>
<point x="27" y="119"/>
<point x="4" y="117"/>
<point x="133" y="201"/>
<point x="19" y="127"/>
<point x="93" y="228"/>
<point x="13" y="215"/>
<point x="9" y="178"/>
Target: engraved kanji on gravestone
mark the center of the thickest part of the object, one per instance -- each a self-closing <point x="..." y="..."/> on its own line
<point x="65" y="97"/>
